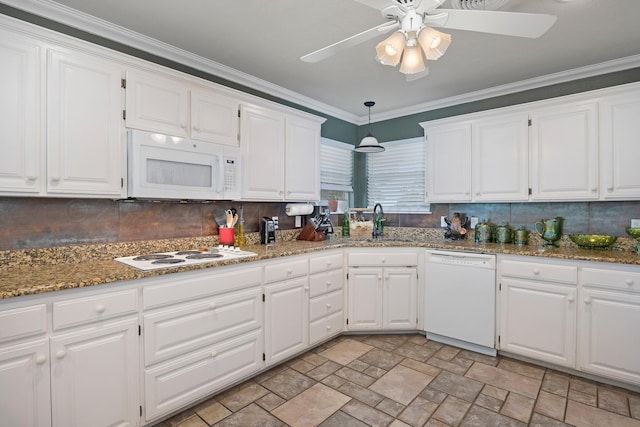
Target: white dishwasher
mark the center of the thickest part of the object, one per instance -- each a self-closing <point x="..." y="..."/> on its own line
<point x="460" y="299"/>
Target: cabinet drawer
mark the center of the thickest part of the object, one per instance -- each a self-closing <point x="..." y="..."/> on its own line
<point x="613" y="279"/>
<point x="324" y="263"/>
<point x="90" y="309"/>
<point x="321" y="283"/>
<point x="199" y="284"/>
<point x="536" y="271"/>
<point x="23" y="322"/>
<point x="325" y="304"/>
<point x="285" y="270"/>
<point x="402" y="259"/>
<point x="326" y="327"/>
<point x="176" y="331"/>
<point x="185" y="380"/>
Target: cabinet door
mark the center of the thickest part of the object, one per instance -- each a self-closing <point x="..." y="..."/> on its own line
<point x="564" y="153"/>
<point x="24" y="395"/>
<point x="302" y="159"/>
<point x="286" y="319"/>
<point x="20" y="87"/>
<point x="85" y="139"/>
<point x="619" y="147"/>
<point x="500" y="160"/>
<point x="365" y="298"/>
<point x="262" y="146"/>
<point x="94" y="376"/>
<point x="400" y="298"/>
<point x="609" y="343"/>
<point x="214" y="118"/>
<point x="538" y="320"/>
<point x="157" y="103"/>
<point x="449" y="162"/>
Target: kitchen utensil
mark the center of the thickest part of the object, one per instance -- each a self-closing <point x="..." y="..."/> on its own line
<point x="219" y="216"/>
<point x="592" y="240"/>
<point x="229" y="214"/>
<point x="549" y="229"/>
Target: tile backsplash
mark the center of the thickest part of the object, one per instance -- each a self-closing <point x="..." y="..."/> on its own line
<point x="43" y="222"/>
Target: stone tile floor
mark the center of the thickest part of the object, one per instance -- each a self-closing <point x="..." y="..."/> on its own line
<point x="407" y="380"/>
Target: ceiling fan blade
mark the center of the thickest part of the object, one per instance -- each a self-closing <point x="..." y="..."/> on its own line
<point x="376" y="4"/>
<point x="531" y="25"/>
<point x="334" y="48"/>
<point x="427" y="6"/>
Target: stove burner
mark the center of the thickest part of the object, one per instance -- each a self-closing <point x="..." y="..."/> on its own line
<point x="187" y="252"/>
<point x="168" y="261"/>
<point x="151" y="257"/>
<point x="204" y="256"/>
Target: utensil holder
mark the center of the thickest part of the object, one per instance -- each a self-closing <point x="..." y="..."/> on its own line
<point x="226" y="236"/>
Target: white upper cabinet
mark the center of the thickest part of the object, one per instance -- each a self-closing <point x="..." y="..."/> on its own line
<point x="302" y="159"/>
<point x="619" y="146"/>
<point x="449" y="162"/>
<point x="85" y="137"/>
<point x="500" y="157"/>
<point x="564" y="152"/>
<point x="214" y="117"/>
<point x="20" y="77"/>
<point x="262" y="137"/>
<point x="157" y="103"/>
<point x="280" y="155"/>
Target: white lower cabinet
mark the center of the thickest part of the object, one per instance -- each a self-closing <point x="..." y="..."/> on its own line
<point x="94" y="375"/>
<point x="25" y="396"/>
<point x="383" y="297"/>
<point x="180" y="381"/>
<point x="609" y="314"/>
<point x="286" y="318"/>
<point x="538" y="320"/>
<point x="326" y="296"/>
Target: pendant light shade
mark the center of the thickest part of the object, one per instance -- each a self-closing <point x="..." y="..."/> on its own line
<point x="369" y="143"/>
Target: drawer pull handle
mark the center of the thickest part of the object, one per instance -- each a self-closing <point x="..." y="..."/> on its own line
<point x="328" y="327"/>
<point x="629" y="282"/>
<point x="100" y="308"/>
<point x="587" y="300"/>
<point x="212" y="306"/>
<point x="214" y="353"/>
<point x="61" y="354"/>
<point x="328" y="306"/>
<point x="40" y="360"/>
<point x="328" y="263"/>
<point x="536" y="271"/>
<point x="289" y="272"/>
<point x="570" y="299"/>
<point x="328" y="282"/>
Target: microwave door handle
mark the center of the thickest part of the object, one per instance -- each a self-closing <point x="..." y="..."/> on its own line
<point x="220" y="174"/>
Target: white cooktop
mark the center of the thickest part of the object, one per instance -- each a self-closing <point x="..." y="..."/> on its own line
<point x="156" y="261"/>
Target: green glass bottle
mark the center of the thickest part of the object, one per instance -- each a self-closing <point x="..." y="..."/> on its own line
<point x="346" y="225"/>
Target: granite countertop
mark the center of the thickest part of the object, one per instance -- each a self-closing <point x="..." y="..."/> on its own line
<point x="37" y="271"/>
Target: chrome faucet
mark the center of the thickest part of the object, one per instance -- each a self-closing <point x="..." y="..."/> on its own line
<point x="377" y="218"/>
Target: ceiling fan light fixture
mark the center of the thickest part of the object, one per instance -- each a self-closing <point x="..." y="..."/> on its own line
<point x="389" y="51"/>
<point x="433" y="42"/>
<point x="369" y="143"/>
<point x="412" y="61"/>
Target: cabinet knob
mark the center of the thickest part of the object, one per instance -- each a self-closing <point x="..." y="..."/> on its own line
<point x="55" y="179"/>
<point x="40" y="359"/>
<point x="196" y="128"/>
<point x="383" y="260"/>
<point x="629" y="282"/>
<point x="214" y="353"/>
<point x="212" y="306"/>
<point x="31" y="178"/>
<point x="306" y="288"/>
<point x="328" y="327"/>
<point x="60" y="354"/>
<point x="379" y="276"/>
<point x="328" y="263"/>
<point x="587" y="300"/>
<point x="328" y="283"/>
<point x="594" y="190"/>
<point x="100" y="308"/>
<point x="183" y="126"/>
<point x="328" y="306"/>
<point x="477" y="193"/>
<point x="289" y="272"/>
<point x="570" y="299"/>
<point x="536" y="271"/>
<point x="610" y="190"/>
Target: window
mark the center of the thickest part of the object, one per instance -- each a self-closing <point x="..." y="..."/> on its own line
<point x="396" y="177"/>
<point x="336" y="170"/>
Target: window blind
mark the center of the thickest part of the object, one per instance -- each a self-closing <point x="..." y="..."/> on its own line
<point x="336" y="165"/>
<point x="396" y="177"/>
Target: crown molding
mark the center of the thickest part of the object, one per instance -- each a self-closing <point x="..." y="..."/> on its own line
<point x="85" y="22"/>
<point x="82" y="21"/>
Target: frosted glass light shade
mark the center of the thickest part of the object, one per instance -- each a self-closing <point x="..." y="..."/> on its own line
<point x="433" y="42"/>
<point x="369" y="144"/>
<point x="389" y="50"/>
<point x="412" y="61"/>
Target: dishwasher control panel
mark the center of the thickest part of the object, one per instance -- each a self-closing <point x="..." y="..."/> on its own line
<point x="461" y="259"/>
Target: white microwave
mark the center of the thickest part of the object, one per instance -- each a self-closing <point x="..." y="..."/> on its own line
<point x="167" y="167"/>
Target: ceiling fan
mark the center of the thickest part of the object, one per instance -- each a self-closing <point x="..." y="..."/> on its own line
<point x="413" y="23"/>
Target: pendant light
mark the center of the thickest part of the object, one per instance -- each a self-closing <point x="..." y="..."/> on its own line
<point x="369" y="143"/>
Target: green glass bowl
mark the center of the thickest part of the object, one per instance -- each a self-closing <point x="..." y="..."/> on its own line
<point x="592" y="240"/>
<point x="633" y="232"/>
